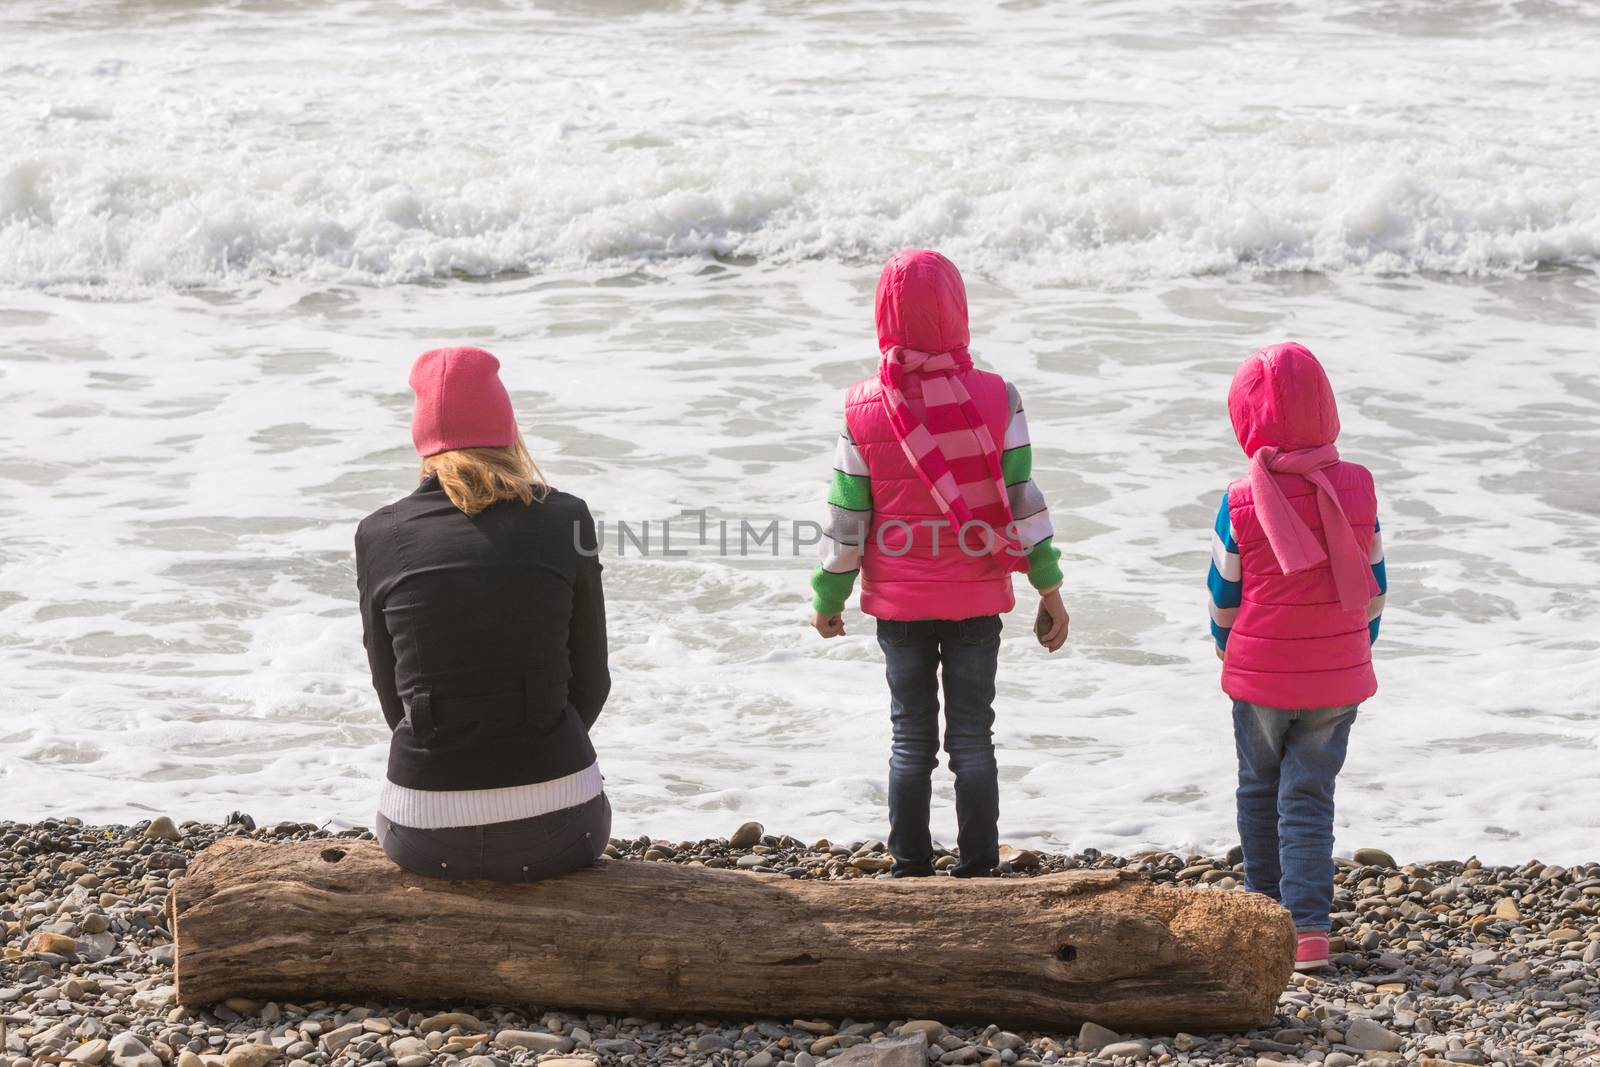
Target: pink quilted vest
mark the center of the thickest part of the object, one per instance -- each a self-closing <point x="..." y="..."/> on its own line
<point x="1291" y="645"/>
<point x="904" y="574"/>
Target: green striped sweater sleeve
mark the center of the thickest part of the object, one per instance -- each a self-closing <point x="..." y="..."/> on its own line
<point x="845" y="533"/>
<point x="1029" y="514"/>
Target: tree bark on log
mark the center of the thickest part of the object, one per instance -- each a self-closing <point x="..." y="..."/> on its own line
<point x="337" y="920"/>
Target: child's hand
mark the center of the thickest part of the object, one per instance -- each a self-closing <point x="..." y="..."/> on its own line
<point x="828" y="625"/>
<point x="1050" y="625"/>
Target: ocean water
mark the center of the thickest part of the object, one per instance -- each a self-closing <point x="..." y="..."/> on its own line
<point x="225" y="231"/>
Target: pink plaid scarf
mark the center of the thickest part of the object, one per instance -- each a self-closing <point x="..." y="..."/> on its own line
<point x="952" y="430"/>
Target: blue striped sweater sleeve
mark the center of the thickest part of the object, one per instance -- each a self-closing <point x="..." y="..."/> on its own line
<point x="1224" y="579"/>
<point x="1381" y="573"/>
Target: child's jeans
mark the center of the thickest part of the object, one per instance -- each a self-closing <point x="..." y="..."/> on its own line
<point x="965" y="653"/>
<point x="1288" y="761"/>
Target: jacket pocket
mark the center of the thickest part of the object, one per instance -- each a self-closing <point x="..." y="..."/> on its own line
<point x="419" y="715"/>
<point x="544" y="699"/>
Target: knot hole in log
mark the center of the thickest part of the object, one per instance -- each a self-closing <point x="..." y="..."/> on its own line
<point x="333" y="855"/>
<point x="1066" y="953"/>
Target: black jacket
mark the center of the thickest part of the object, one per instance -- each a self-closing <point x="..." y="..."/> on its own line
<point x="487" y="638"/>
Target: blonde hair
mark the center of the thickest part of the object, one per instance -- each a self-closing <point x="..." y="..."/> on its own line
<point x="474" y="478"/>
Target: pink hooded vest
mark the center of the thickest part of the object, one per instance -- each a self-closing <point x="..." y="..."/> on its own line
<point x="1292" y="646"/>
<point x="905" y="575"/>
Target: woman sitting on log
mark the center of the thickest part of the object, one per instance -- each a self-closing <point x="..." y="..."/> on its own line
<point x="486" y="633"/>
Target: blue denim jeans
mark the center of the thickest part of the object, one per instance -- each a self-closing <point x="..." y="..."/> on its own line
<point x="963" y="654"/>
<point x="1288" y="761"/>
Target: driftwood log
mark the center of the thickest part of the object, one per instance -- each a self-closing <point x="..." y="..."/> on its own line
<point x="337" y="920"/>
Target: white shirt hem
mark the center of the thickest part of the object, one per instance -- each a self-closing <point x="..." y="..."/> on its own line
<point x="442" y="809"/>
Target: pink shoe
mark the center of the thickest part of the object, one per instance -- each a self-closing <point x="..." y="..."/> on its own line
<point x="1311" y="950"/>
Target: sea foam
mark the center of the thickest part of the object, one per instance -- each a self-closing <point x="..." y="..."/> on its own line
<point x="205" y="148"/>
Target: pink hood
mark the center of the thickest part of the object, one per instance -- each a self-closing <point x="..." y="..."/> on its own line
<point x="1281" y="397"/>
<point x="922" y="303"/>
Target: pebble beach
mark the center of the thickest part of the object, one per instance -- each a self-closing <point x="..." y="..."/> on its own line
<point x="1448" y="961"/>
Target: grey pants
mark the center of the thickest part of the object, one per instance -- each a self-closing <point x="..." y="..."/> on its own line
<point x="524" y="850"/>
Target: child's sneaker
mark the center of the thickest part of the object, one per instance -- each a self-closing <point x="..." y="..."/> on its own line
<point x="1311" y="951"/>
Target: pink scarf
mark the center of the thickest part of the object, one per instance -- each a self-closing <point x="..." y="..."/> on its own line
<point x="1293" y="543"/>
<point x="953" y="427"/>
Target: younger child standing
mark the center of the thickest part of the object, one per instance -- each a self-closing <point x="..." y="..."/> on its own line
<point x="933" y="502"/>
<point x="1297" y="586"/>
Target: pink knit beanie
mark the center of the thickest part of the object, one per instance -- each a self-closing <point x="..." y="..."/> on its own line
<point x="460" y="402"/>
